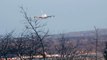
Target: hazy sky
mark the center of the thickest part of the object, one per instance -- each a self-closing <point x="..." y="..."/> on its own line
<point x="70" y="15"/>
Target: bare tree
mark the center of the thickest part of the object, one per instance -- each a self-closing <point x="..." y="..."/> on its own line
<point x="31" y="45"/>
<point x="96" y="38"/>
<point x="105" y="52"/>
<point x="5" y="42"/>
<point x="66" y="48"/>
<point x="35" y="25"/>
<point x="19" y="46"/>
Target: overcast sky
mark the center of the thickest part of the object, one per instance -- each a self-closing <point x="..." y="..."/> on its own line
<point x="70" y="15"/>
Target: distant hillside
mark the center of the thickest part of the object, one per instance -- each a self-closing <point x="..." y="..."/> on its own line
<point x="87" y="33"/>
<point x="101" y="32"/>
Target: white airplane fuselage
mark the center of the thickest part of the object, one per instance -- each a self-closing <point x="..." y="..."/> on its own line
<point x="44" y="16"/>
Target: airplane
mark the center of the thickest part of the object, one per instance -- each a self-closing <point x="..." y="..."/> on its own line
<point x="44" y="16"/>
